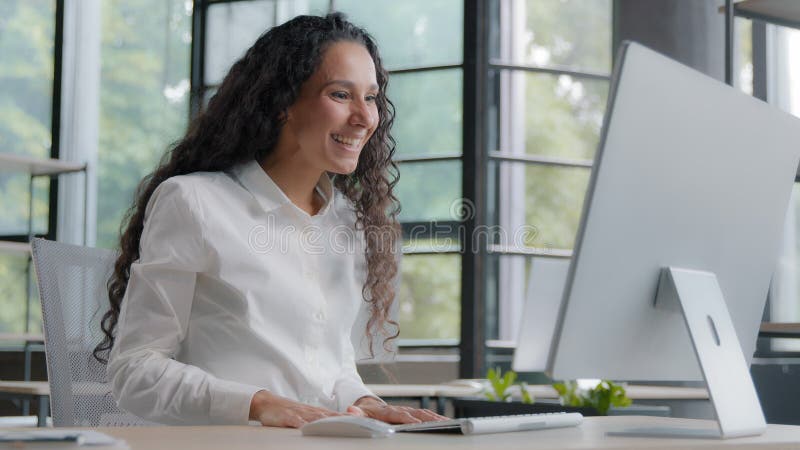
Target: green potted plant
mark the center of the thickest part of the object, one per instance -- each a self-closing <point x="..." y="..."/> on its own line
<point x="601" y="397"/>
<point x="589" y="402"/>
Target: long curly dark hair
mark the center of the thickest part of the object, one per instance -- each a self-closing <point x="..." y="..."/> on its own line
<point x="243" y="121"/>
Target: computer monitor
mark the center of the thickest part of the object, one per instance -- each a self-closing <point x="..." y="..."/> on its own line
<point x="540" y="313"/>
<point x="685" y="207"/>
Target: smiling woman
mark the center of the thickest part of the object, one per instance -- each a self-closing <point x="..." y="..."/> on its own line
<point x="332" y="119"/>
<point x="208" y="325"/>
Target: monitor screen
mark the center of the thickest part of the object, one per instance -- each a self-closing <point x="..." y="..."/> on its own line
<point x="689" y="173"/>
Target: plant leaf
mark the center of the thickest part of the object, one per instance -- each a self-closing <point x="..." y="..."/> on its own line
<point x="526" y="396"/>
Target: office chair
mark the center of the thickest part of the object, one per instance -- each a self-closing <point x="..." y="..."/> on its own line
<point x="72" y="288"/>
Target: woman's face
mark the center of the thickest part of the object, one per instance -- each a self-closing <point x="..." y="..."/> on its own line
<point x="335" y="113"/>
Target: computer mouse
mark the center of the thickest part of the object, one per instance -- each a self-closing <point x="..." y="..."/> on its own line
<point x="348" y="426"/>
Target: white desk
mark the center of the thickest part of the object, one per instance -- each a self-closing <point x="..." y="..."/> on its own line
<point x="29" y="390"/>
<point x="589" y="435"/>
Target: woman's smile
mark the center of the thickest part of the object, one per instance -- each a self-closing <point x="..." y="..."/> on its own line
<point x="350" y="143"/>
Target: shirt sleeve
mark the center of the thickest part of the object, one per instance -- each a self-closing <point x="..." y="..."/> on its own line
<point x="349" y="387"/>
<point x="154" y="316"/>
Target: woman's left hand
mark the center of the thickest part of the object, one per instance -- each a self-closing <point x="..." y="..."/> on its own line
<point x="377" y="409"/>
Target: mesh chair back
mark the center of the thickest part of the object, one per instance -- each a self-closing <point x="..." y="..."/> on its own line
<point x="72" y="287"/>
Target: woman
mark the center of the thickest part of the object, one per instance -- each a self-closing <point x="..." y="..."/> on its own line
<point x="248" y="251"/>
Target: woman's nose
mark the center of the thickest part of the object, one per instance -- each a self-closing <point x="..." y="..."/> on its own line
<point x="363" y="114"/>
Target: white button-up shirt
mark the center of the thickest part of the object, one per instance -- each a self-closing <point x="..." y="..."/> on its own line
<point x="238" y="290"/>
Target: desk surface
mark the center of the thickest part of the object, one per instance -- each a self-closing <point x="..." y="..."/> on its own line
<point x="779" y="330"/>
<point x="25" y="387"/>
<point x="591" y="434"/>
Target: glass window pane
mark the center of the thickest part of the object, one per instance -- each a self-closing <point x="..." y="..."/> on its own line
<point x="26" y="76"/>
<point x="743" y="55"/>
<point x="428" y="112"/>
<point x="207" y="95"/>
<point x="429" y="191"/>
<point x="549" y="214"/>
<point x="144" y="94"/>
<point x="26" y="87"/>
<point x="784" y="295"/>
<point x="573" y="34"/>
<point x="558" y="115"/>
<point x="505" y="295"/>
<point x="440" y="237"/>
<point x="411" y="33"/>
<point x="784" y="303"/>
<point x="231" y="28"/>
<point x="430" y="297"/>
<point x="14" y="198"/>
<point x="12" y="292"/>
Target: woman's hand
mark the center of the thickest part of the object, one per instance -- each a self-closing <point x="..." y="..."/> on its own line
<point x="276" y="411"/>
<point x="377" y="409"/>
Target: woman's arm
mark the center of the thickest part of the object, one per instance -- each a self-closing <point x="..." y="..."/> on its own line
<point x="356" y="399"/>
<point x="146" y="380"/>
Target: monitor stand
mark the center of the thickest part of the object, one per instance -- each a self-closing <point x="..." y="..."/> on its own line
<point x="697" y="295"/>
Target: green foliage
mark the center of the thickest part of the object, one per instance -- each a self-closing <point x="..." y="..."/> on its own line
<point x="602" y="397"/>
<point x="500" y="384"/>
<point x="417" y="181"/>
<point x="568" y="393"/>
<point x="26" y="83"/>
<point x="429" y="294"/>
<point x="428" y="122"/>
<point x="144" y="53"/>
<point x="12" y="293"/>
<point x="411" y="32"/>
<point x="527" y="398"/>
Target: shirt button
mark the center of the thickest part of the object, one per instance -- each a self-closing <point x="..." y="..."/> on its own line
<point x="320" y="315"/>
<point x="308" y="274"/>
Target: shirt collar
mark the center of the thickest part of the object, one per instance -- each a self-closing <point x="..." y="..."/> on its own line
<point x="253" y="177"/>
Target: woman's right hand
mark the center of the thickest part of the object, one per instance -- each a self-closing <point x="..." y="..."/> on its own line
<point x="276" y="411"/>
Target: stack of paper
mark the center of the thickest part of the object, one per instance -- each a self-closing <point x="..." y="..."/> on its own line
<point x="67" y="437"/>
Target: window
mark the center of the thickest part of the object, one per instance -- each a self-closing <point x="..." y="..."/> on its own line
<point x="230" y="29"/>
<point x="783" y="82"/>
<point x="421" y="45"/>
<point x="550" y="62"/>
<point x="144" y="98"/>
<point x="547" y="64"/>
<point x="27" y="54"/>
<point x="426" y="88"/>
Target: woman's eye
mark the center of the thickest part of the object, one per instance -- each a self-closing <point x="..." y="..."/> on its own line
<point x="371" y="98"/>
<point x="339" y="95"/>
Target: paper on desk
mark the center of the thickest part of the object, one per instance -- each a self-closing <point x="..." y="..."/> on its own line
<point x="65" y="436"/>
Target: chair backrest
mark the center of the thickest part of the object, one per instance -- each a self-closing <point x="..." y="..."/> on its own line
<point x="72" y="287"/>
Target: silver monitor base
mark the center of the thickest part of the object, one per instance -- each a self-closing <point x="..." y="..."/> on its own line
<point x="697" y="295"/>
<point x="667" y="432"/>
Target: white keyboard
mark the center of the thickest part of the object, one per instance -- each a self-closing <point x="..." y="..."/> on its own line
<point x="498" y="424"/>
